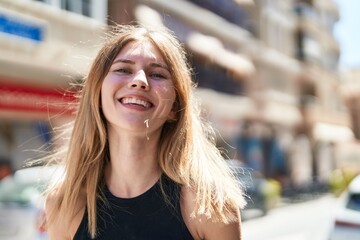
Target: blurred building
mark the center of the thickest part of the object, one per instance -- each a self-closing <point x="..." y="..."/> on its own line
<point x="266" y="72"/>
<point x="42" y="49"/>
<point x="349" y="153"/>
<point x="327" y="121"/>
<point x="351" y="94"/>
<point x="267" y="75"/>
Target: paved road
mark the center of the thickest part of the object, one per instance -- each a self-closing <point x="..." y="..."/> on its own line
<point x="310" y="220"/>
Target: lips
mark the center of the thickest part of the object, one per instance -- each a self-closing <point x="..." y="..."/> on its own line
<point x="136" y="101"/>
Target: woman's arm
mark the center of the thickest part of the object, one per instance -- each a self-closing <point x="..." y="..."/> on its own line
<point x="215" y="230"/>
<point x="60" y="229"/>
<point x="202" y="228"/>
<point x="55" y="229"/>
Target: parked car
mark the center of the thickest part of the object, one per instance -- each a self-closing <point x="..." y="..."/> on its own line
<point x="21" y="203"/>
<point x="262" y="194"/>
<point x="347" y="217"/>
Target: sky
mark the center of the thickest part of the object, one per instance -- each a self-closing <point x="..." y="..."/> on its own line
<point x="347" y="32"/>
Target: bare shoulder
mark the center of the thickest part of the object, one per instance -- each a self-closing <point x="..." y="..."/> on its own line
<point x="204" y="228"/>
<point x="217" y="230"/>
<point x="187" y="203"/>
<point x="57" y="227"/>
<point x="51" y="199"/>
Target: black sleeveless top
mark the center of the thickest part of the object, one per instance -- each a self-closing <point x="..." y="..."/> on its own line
<point x="145" y="217"/>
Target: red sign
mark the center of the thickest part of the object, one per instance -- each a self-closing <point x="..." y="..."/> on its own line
<point x="25" y="98"/>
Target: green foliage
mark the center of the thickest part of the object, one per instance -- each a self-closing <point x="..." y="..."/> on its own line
<point x="340" y="179"/>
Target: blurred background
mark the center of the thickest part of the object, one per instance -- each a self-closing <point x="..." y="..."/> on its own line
<point x="278" y="79"/>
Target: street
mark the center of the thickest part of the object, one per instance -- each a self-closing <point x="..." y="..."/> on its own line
<point x="310" y="220"/>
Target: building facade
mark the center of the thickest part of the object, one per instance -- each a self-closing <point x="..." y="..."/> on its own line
<point x="327" y="121"/>
<point x="266" y="73"/>
<point x="42" y="50"/>
<point x="278" y="100"/>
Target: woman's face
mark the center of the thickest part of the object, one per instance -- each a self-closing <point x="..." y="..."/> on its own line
<point x="138" y="94"/>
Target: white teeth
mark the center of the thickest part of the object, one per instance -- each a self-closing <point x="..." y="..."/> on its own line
<point x="137" y="101"/>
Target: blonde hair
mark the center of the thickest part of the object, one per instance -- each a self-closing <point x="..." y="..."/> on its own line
<point x="187" y="151"/>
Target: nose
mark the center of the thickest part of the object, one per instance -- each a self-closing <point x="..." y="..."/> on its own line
<point x="139" y="81"/>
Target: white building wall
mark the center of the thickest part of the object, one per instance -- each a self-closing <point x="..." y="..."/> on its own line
<point x="69" y="42"/>
<point x="60" y="51"/>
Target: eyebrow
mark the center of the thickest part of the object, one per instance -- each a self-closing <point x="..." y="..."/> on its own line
<point x="153" y="64"/>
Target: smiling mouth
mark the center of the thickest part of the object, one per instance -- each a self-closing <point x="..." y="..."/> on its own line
<point x="136" y="101"/>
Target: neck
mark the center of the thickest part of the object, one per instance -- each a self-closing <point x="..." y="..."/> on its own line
<point x="133" y="167"/>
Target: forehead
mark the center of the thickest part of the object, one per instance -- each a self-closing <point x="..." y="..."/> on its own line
<point x="141" y="49"/>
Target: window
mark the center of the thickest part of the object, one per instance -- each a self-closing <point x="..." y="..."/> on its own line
<point x="83" y="7"/>
<point x="215" y="77"/>
<point x="354" y="202"/>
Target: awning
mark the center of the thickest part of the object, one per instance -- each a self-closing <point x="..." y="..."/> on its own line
<point x="226" y="111"/>
<point x="351" y="90"/>
<point x="212" y="49"/>
<point x="203" y="20"/>
<point x="221" y="105"/>
<point x="33" y="100"/>
<point x="282" y="114"/>
<point x="332" y="133"/>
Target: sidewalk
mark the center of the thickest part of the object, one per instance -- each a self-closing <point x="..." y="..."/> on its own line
<point x="248" y="214"/>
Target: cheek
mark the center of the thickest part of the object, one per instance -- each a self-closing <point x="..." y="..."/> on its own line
<point x="102" y="95"/>
<point x="167" y="95"/>
<point x="167" y="91"/>
<point x="107" y="87"/>
<point x="106" y="95"/>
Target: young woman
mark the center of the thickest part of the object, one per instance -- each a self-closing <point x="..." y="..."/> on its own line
<point x="140" y="162"/>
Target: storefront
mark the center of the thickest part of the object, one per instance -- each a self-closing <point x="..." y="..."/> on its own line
<point x="40" y="56"/>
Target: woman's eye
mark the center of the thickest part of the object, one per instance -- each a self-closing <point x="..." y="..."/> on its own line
<point x="157" y="75"/>
<point x="122" y="70"/>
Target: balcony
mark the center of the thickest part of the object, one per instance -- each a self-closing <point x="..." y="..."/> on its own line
<point x="63" y="45"/>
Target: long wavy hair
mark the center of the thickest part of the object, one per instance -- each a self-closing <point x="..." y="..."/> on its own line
<point x="186" y="153"/>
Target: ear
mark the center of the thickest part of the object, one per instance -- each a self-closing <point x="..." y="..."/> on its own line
<point x="172" y="116"/>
